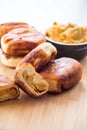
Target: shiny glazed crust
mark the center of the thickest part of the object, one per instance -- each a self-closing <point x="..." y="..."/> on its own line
<point x="40" y="56"/>
<point x="8" y="89"/>
<point x="30" y="81"/>
<point x="21" y="40"/>
<point x="62" y="73"/>
<point x="6" y="27"/>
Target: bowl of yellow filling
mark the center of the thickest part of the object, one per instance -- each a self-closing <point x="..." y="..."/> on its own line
<point x="69" y="39"/>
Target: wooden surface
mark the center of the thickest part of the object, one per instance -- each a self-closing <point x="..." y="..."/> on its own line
<point x="66" y="111"/>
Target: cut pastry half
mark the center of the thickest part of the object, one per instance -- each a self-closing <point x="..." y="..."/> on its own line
<point x="8" y="89"/>
<point x="30" y="81"/>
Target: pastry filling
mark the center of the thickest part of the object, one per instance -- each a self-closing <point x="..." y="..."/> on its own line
<point x="13" y="91"/>
<point x="10" y="92"/>
<point x="34" y="81"/>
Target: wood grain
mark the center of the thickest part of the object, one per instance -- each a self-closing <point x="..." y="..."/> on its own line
<point x="66" y="111"/>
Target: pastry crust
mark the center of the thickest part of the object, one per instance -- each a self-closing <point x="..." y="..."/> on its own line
<point x="62" y="73"/>
<point x="6" y="27"/>
<point x="9" y="60"/>
<point x="21" y="40"/>
<point x="30" y="81"/>
<point x="40" y="56"/>
<point x="8" y="89"/>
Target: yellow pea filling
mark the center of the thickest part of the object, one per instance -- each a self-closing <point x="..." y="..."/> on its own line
<point x="34" y="81"/>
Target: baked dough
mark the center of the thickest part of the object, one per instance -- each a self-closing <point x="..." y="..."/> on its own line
<point x="6" y="27"/>
<point x="30" y="81"/>
<point x="9" y="60"/>
<point x="8" y="89"/>
<point x="62" y="74"/>
<point x="40" y="56"/>
<point x="21" y="40"/>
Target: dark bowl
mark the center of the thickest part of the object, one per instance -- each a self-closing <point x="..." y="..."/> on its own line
<point x="76" y="51"/>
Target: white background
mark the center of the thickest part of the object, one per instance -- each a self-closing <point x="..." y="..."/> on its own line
<point x="42" y="13"/>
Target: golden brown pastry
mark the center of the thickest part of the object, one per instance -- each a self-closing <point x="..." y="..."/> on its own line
<point x="61" y="74"/>
<point x="17" y="43"/>
<point x="6" y="27"/>
<point x="21" y="40"/>
<point x="40" y="56"/>
<point x="8" y="89"/>
<point x="30" y="81"/>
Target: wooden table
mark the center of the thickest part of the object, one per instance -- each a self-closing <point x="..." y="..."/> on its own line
<point x="66" y="111"/>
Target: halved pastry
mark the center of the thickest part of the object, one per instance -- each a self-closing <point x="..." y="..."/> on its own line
<point x="40" y="56"/>
<point x="8" y="89"/>
<point x="62" y="74"/>
<point x="30" y="81"/>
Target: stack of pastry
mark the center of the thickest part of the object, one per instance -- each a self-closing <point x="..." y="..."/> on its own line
<point x="18" y="39"/>
<point x="38" y="72"/>
<point x="26" y="75"/>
